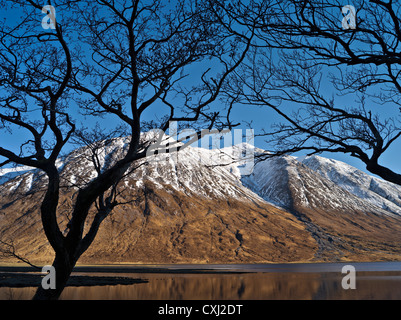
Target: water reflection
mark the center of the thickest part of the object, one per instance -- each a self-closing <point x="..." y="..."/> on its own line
<point x="250" y="286"/>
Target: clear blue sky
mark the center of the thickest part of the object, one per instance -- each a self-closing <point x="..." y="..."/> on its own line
<point x="260" y="117"/>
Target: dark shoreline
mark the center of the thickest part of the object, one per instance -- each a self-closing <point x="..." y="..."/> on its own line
<point x="26" y="276"/>
<point x="23" y="280"/>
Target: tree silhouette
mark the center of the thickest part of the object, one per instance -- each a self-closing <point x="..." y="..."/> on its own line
<point x="112" y="59"/>
<point x="327" y="79"/>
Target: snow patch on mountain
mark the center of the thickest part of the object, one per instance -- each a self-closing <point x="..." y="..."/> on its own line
<point x="7" y="174"/>
<point x="269" y="180"/>
<point x="376" y="191"/>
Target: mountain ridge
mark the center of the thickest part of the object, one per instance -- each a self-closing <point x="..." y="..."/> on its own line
<point x="183" y="208"/>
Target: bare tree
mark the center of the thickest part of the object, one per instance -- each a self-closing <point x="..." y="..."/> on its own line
<point x="327" y="79"/>
<point x="112" y="59"/>
<point x="7" y="249"/>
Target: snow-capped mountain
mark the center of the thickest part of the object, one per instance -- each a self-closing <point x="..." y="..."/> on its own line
<point x="10" y="173"/>
<point x="320" y="182"/>
<point x="215" y="172"/>
<point x="376" y="191"/>
<point x="193" y="171"/>
<point x="196" y="206"/>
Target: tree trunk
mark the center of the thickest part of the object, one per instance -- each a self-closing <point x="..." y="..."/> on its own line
<point x="63" y="267"/>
